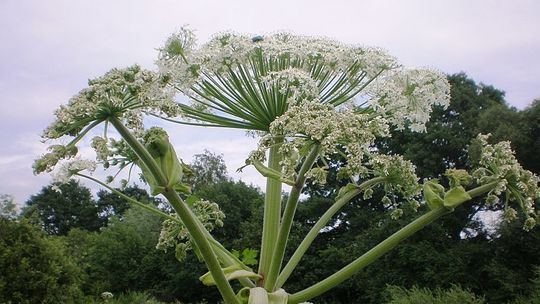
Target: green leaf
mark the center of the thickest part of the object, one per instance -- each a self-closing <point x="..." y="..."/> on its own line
<point x="249" y="256"/>
<point x="155" y="189"/>
<point x="432" y="194"/>
<point x="181" y="187"/>
<point x="190" y="200"/>
<point x="455" y="197"/>
<point x="231" y="273"/>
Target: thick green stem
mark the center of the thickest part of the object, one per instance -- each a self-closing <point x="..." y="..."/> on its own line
<point x="287" y="219"/>
<point x="321" y="223"/>
<point x="272" y="214"/>
<point x="377" y="251"/>
<point x="184" y="212"/>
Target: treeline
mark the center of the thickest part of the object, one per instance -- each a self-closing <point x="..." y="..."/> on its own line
<point x="69" y="247"/>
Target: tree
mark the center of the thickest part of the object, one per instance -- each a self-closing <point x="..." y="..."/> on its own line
<point x="110" y="204"/>
<point x="8" y="208"/>
<point x="35" y="268"/>
<point x="527" y="150"/>
<point x="209" y="168"/>
<point x="61" y="211"/>
<point x="115" y="257"/>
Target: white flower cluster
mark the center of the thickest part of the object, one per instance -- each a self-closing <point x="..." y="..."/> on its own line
<point x="124" y="93"/>
<point x="106" y="295"/>
<point x="400" y="182"/>
<point x="333" y="69"/>
<point x="70" y="168"/>
<point x="276" y="71"/>
<point x="175" y="235"/>
<point x="312" y="122"/>
<point x="498" y="164"/>
<point x="399" y="174"/>
<point x="47" y="161"/>
<point x="228" y="50"/>
<point x="100" y="145"/>
<point x="406" y="97"/>
<point x="293" y="82"/>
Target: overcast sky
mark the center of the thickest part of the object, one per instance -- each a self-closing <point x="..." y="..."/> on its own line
<point x="48" y="50"/>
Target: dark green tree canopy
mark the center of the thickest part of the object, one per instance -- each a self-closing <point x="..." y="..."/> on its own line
<point x="34" y="268"/>
<point x="61" y="211"/>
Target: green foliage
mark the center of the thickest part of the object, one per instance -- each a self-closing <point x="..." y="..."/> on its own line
<point x="8" y="208"/>
<point x="59" y="212"/>
<point x="527" y="149"/>
<point x="209" y="168"/>
<point x="455" y="295"/>
<point x="247" y="256"/>
<point x="116" y="258"/>
<point x="240" y="203"/>
<point x="35" y="268"/>
<point x="133" y="297"/>
<point x="109" y="204"/>
<point x="534" y="294"/>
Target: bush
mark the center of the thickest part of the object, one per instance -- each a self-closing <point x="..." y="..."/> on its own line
<point x="33" y="268"/>
<point x="454" y="295"/>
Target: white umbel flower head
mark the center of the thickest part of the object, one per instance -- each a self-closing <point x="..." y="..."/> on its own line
<point x="406" y="97"/>
<point x="246" y="82"/>
<point x="123" y="93"/>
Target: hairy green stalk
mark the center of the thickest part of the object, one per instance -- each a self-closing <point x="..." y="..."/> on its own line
<point x="184" y="212"/>
<point x="272" y="214"/>
<point x="287" y="219"/>
<point x="377" y="251"/>
<point x="321" y="223"/>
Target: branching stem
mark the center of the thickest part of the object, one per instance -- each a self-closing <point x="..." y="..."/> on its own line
<point x="287" y="219"/>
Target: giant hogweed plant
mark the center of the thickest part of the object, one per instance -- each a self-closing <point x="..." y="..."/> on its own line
<point x="308" y="100"/>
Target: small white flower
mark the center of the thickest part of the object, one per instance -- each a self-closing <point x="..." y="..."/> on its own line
<point x="498" y="164"/>
<point x="406" y="97"/>
<point x="70" y="168"/>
